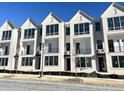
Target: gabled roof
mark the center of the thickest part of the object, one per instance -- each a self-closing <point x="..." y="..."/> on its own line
<point x="114" y="5"/>
<point x="30" y="20"/>
<point x="83" y="14"/>
<point x="12" y="25"/>
<point x="54" y="16"/>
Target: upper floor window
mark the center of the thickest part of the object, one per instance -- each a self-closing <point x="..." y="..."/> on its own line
<point x="99" y="44"/>
<point x="67" y="46"/>
<point x="29" y="33"/>
<point x="52" y="29"/>
<point x="115" y="23"/>
<point x="82" y="28"/>
<point x="97" y="26"/>
<point x="6" y="35"/>
<point x="68" y="31"/>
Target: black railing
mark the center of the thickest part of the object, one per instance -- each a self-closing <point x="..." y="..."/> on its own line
<point x="52" y="50"/>
<point x="83" y="51"/>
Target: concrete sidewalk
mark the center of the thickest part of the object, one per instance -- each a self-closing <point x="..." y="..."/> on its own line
<point x="68" y="79"/>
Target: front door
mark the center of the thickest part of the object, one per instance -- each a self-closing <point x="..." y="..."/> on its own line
<point x="37" y="63"/>
<point x="102" y="64"/>
<point x="68" y="64"/>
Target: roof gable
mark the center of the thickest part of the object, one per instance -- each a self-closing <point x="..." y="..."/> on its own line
<point x="29" y="23"/>
<point x="82" y="14"/>
<point x="9" y="25"/>
<point x="121" y="8"/>
<point x="51" y="15"/>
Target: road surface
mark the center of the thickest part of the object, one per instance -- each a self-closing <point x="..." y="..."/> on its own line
<point x="33" y="85"/>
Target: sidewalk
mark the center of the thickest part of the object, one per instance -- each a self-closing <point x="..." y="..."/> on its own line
<point x="68" y="79"/>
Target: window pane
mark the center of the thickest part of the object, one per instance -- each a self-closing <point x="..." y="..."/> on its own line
<point x="117" y="23"/>
<point x="29" y="33"/>
<point x="46" y="60"/>
<point x="47" y="29"/>
<point x="83" y="62"/>
<point x="30" y="61"/>
<point x="52" y="30"/>
<point x="86" y="25"/>
<point x="121" y="61"/>
<point x="26" y="63"/>
<point x="67" y="46"/>
<point x="6" y="61"/>
<point x="3" y="61"/>
<point x="9" y="35"/>
<point x="33" y="31"/>
<point x="122" y="22"/>
<point x="51" y="60"/>
<point x="99" y="44"/>
<point x="25" y="34"/>
<point x="56" y="29"/>
<point x="88" y="62"/>
<point x="55" y="60"/>
<point x="81" y="28"/>
<point x="77" y="62"/>
<point x="68" y="31"/>
<point x="23" y="61"/>
<point x="76" y="29"/>
<point x="115" y="61"/>
<point x="110" y="24"/>
<point x="97" y="26"/>
<point x="0" y="62"/>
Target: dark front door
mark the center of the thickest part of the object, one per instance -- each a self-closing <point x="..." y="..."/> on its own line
<point x="111" y="45"/>
<point x="77" y="49"/>
<point x="28" y="49"/>
<point x="102" y="64"/>
<point x="37" y="64"/>
<point x="68" y="66"/>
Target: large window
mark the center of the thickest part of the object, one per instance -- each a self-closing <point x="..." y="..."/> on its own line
<point x="6" y="35"/>
<point x="27" y="61"/>
<point x="51" y="61"/>
<point x="118" y="61"/>
<point x="116" y="23"/>
<point x="83" y="62"/>
<point x="29" y="33"/>
<point x="97" y="26"/>
<point x="82" y="28"/>
<point x="3" y="61"/>
<point x="52" y="29"/>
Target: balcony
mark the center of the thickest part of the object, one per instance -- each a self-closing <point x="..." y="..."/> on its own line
<point x="51" y="34"/>
<point x="30" y="52"/>
<point x="67" y="53"/>
<point x="117" y="49"/>
<point x="4" y="53"/>
<point x="28" y="37"/>
<point x="100" y="51"/>
<point x="83" y="51"/>
<point x="52" y="50"/>
<point x="81" y="33"/>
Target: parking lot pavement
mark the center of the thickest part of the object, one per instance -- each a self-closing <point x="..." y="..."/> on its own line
<point x="33" y="85"/>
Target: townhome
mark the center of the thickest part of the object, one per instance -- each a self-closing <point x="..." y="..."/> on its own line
<point x="30" y="45"/>
<point x="101" y="67"/>
<point x="113" y="31"/>
<point x="53" y="40"/>
<point x="82" y="43"/>
<point x="9" y="36"/>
